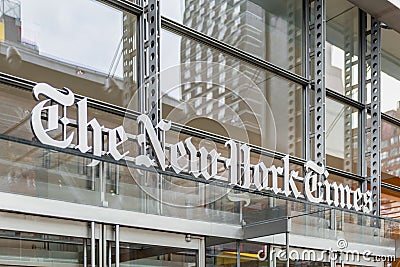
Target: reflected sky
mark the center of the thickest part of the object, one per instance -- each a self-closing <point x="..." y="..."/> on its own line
<point x="87" y="34"/>
<point x="83" y="33"/>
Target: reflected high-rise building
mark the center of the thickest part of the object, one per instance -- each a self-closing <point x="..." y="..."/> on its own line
<point x="129" y="53"/>
<point x="248" y="26"/>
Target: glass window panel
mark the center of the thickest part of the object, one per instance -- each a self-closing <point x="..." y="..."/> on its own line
<point x="342" y="48"/>
<point x="16" y="105"/>
<point x="390" y="169"/>
<point x="33" y="171"/>
<point x="390" y="159"/>
<point x="341" y="136"/>
<point x="148" y="255"/>
<point x="224" y="255"/>
<point x="390" y="73"/>
<point x="86" y="46"/>
<point x="206" y="89"/>
<point x="270" y="30"/>
<point x="21" y="249"/>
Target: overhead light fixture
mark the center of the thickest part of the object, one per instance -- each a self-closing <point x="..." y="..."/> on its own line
<point x="79" y="72"/>
<point x="188" y="238"/>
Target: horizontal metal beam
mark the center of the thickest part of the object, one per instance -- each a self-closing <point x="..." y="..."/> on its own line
<point x="390" y="119"/>
<point x="15" y="81"/>
<point x="344" y="99"/>
<point x="390" y="187"/>
<point x="178" y="28"/>
<point x="124" y="6"/>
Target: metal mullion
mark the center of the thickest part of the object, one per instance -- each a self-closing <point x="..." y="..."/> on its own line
<point x="375" y="116"/>
<point x="362" y="96"/>
<point x="124" y="5"/>
<point x="307" y="119"/>
<point x="85" y="256"/>
<point x="307" y="74"/>
<point x="390" y="119"/>
<point x="292" y="87"/>
<point x="319" y="82"/>
<point x="140" y="62"/>
<point x="151" y="76"/>
<point x="391" y="187"/>
<point x="348" y="111"/>
<point x="117" y="245"/>
<point x="92" y="244"/>
<point x="15" y="81"/>
<point x="344" y="99"/>
<point x="230" y="50"/>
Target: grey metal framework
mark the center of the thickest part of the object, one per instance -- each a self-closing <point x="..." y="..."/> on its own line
<point x="151" y="31"/>
<point x="306" y="71"/>
<point x="349" y="89"/>
<point x="362" y="96"/>
<point x="375" y="176"/>
<point x="293" y="87"/>
<point x="319" y="81"/>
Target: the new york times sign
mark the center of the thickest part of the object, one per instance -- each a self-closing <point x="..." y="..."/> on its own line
<point x="201" y="163"/>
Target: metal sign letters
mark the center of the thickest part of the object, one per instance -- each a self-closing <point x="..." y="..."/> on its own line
<point x="184" y="156"/>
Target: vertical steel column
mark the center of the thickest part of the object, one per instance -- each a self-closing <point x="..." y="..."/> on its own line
<point x="375" y="116"/>
<point x="362" y="96"/>
<point x="152" y="57"/>
<point x="104" y="236"/>
<point x="319" y="82"/>
<point x="85" y="252"/>
<point x="142" y="99"/>
<point x="348" y="91"/>
<point x="103" y="183"/>
<point x="287" y="249"/>
<point x="306" y="69"/>
<point x="292" y="59"/>
<point x="151" y="33"/>
<point x="117" y="245"/>
<point x="92" y="244"/>
<point x="237" y="253"/>
<point x="141" y="62"/>
<point x="100" y="246"/>
<point x="109" y="255"/>
<point x="202" y="253"/>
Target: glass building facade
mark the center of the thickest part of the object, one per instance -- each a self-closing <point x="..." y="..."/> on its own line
<point x="312" y="81"/>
